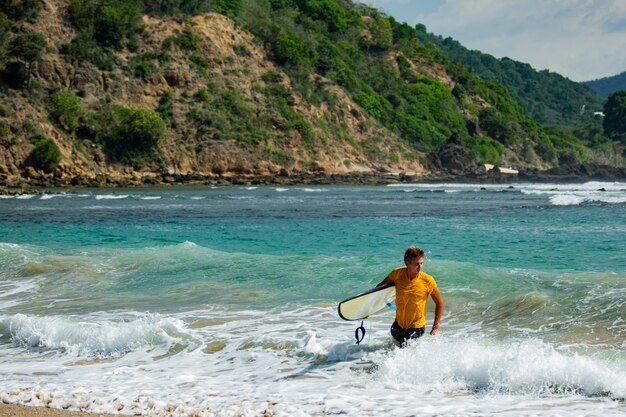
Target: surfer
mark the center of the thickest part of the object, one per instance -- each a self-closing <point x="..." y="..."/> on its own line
<point x="412" y="289"/>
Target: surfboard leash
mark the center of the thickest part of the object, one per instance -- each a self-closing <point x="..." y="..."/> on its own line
<point x="359" y="333"/>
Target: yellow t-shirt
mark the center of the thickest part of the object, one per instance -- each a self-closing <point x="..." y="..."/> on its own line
<point x="411" y="297"/>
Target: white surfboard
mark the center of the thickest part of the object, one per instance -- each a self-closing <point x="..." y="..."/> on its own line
<point x="367" y="303"/>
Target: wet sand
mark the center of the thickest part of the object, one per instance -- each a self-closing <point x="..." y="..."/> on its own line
<point x="13" y="410"/>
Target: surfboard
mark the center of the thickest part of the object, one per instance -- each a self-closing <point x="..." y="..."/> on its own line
<point x="367" y="303"/>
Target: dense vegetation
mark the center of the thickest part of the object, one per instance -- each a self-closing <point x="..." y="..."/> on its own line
<point x="503" y="111"/>
<point x="319" y="36"/>
<point x="548" y="97"/>
<point x="607" y="85"/>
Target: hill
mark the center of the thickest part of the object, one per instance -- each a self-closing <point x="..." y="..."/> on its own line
<point x="546" y="96"/>
<point x="125" y="92"/>
<point x="607" y="85"/>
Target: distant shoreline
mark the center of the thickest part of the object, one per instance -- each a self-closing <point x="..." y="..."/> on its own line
<point x="36" y="185"/>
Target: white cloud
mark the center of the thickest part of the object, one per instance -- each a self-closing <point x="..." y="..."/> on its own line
<point x="581" y="39"/>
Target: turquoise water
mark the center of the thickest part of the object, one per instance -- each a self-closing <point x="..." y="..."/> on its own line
<point x="222" y="300"/>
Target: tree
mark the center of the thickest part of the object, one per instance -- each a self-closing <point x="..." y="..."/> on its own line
<point x="615" y="116"/>
<point x="27" y="46"/>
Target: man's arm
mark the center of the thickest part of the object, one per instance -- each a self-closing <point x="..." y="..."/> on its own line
<point x="385" y="281"/>
<point x="436" y="296"/>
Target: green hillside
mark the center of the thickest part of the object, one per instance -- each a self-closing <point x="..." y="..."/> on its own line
<point x="291" y="86"/>
<point x="546" y="96"/>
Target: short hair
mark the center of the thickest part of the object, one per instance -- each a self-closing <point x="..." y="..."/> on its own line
<point x="413" y="252"/>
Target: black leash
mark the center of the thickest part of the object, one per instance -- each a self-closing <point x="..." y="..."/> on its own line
<point x="359" y="333"/>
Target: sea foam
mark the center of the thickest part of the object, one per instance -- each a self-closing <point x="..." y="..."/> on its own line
<point x="527" y="367"/>
<point x="77" y="337"/>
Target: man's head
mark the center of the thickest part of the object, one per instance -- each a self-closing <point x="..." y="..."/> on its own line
<point x="414" y="260"/>
<point x="413" y="252"/>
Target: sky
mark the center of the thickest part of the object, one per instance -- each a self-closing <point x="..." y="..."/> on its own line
<point x="579" y="39"/>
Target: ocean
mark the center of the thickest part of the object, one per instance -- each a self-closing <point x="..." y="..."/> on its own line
<point x="222" y="301"/>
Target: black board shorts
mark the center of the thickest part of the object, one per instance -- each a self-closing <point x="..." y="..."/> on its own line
<point x="401" y="335"/>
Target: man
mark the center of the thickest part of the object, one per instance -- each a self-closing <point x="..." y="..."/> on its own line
<point x="412" y="289"/>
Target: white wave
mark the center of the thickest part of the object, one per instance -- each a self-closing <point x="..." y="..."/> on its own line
<point x="281" y="190"/>
<point x="151" y="197"/>
<point x="111" y="196"/>
<point x="527" y="188"/>
<point x="524" y="368"/>
<point x="567" y="200"/>
<point x="63" y="195"/>
<point x="559" y="194"/>
<point x="89" y="338"/>
<point x="452" y="187"/>
<point x="17" y="196"/>
<point x="556" y="187"/>
<point x="576" y="198"/>
<point x="303" y="362"/>
<point x="314" y="190"/>
<point x="49" y="196"/>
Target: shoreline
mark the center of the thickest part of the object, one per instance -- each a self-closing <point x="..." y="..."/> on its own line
<point x="20" y="410"/>
<point x="35" y="185"/>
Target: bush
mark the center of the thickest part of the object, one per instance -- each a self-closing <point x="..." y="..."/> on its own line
<point x="46" y="155"/>
<point x="66" y="109"/>
<point x="187" y="41"/>
<point x="132" y="135"/>
<point x="271" y="76"/>
<point x="143" y="65"/>
<point x="290" y="49"/>
<point x="85" y="49"/>
<point x="202" y="94"/>
<point x="484" y="150"/>
<point x="371" y="102"/>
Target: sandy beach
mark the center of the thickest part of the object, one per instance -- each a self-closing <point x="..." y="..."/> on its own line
<point x="14" y="410"/>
